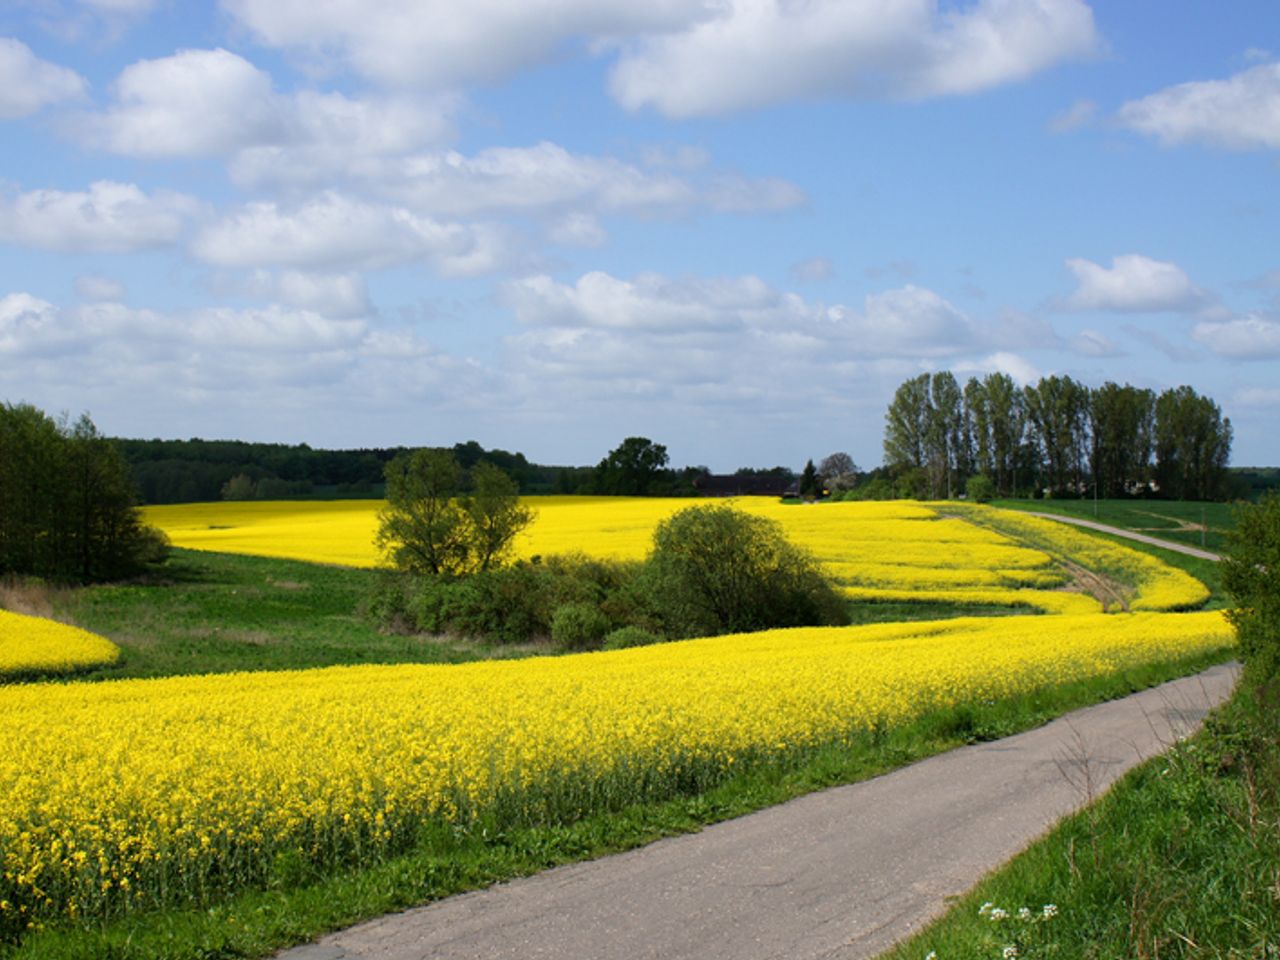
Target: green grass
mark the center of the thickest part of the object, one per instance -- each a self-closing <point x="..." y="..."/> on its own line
<point x="1193" y="523"/>
<point x="1180" y="860"/>
<point x="215" y="613"/>
<point x="299" y="907"/>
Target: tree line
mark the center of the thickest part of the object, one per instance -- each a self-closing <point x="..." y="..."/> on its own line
<point x="67" y="500"/>
<point x="1056" y="437"/>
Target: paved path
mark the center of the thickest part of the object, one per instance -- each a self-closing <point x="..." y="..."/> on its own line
<point x="1130" y="534"/>
<point x="834" y="875"/>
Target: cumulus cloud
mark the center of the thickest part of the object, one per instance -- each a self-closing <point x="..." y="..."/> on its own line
<point x="1133" y="284"/>
<point x="1019" y="368"/>
<point x="541" y="180"/>
<point x="331" y="295"/>
<point x="335" y="231"/>
<point x="690" y="58"/>
<point x="201" y="102"/>
<point x="753" y="54"/>
<point x="27" y="323"/>
<point x="1251" y="337"/>
<point x="1239" y="113"/>
<point x="441" y="44"/>
<point x="907" y="321"/>
<point x="109" y="217"/>
<point x="28" y="84"/>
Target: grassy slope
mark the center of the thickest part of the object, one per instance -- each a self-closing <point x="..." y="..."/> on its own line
<point x="214" y="613"/>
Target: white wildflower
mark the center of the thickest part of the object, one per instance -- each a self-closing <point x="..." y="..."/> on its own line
<point x="985" y="908"/>
<point x="1050" y="911"/>
<point x="1010" y="952"/>
<point x="999" y="913"/>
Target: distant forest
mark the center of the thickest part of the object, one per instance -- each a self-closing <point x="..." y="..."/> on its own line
<point x="187" y="471"/>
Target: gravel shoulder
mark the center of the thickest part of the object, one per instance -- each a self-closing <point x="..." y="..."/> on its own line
<point x="835" y="875"/>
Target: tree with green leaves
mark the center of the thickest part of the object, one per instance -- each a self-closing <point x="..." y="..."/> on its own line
<point x="67" y="502"/>
<point x="495" y="515"/>
<point x="635" y="468"/>
<point x="1122" y="429"/>
<point x="1193" y="445"/>
<point x="430" y="527"/>
<point x="810" y="489"/>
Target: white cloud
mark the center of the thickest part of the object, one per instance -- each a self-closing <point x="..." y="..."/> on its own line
<point x="28" y="84"/>
<point x="108" y="218"/>
<point x="1250" y="337"/>
<point x="910" y="321"/>
<point x="442" y="44"/>
<point x="100" y="289"/>
<point x="1241" y="112"/>
<point x="26" y="323"/>
<point x="334" y="231"/>
<point x="341" y="295"/>
<point x="541" y="180"/>
<point x="199" y="102"/>
<point x="687" y="58"/>
<point x="753" y="54"/>
<point x="194" y="102"/>
<point x="1133" y="284"/>
<point x="577" y="230"/>
<point x="1019" y="368"/>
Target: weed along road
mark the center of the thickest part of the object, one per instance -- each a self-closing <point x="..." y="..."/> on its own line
<point x="836" y="875"/>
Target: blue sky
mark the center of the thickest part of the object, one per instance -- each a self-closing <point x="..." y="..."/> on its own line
<point x="733" y="227"/>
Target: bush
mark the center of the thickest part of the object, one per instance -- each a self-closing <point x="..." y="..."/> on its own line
<point x="1251" y="575"/>
<point x="979" y="488"/>
<point x="629" y="636"/>
<point x="718" y="570"/>
<point x="578" y="626"/>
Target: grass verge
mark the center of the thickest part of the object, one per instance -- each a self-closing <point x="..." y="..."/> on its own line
<point x="298" y="907"/>
<point x="217" y="613"/>
<point x="1181" y="859"/>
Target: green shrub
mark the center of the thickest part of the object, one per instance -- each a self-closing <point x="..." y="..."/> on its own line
<point x="629" y="636"/>
<point x="979" y="488"/>
<point x="1251" y="575"/>
<point x="578" y="626"/>
<point x="716" y="570"/>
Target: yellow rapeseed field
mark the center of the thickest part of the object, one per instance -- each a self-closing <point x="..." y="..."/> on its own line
<point x="949" y="552"/>
<point x="33" y="645"/>
<point x="132" y="793"/>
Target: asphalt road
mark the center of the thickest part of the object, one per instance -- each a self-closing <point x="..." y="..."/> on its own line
<point x="835" y="875"/>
